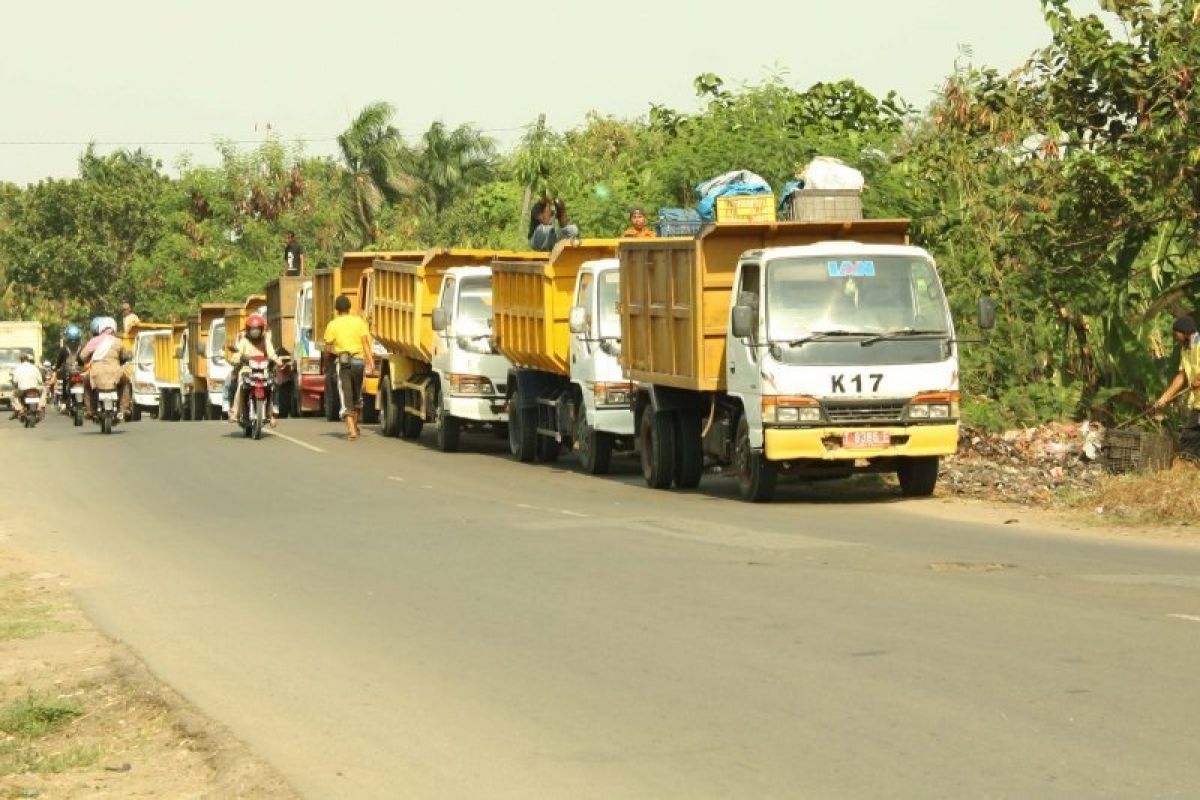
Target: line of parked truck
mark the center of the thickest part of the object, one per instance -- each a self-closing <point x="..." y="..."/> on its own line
<point x="760" y="350"/>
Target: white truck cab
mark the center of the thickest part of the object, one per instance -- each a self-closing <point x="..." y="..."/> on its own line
<point x="469" y="391"/>
<point x="145" y="388"/>
<point x="844" y="355"/>
<point x="607" y="395"/>
<point x="218" y="367"/>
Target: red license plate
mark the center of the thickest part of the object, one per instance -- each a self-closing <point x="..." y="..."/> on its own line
<point x="866" y="440"/>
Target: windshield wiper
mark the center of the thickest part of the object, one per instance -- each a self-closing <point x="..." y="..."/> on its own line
<point x="900" y="334"/>
<point x="817" y="336"/>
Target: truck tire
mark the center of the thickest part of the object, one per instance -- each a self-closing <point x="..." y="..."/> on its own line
<point x="918" y="476"/>
<point x="595" y="450"/>
<point x="333" y="403"/>
<point x="656" y="436"/>
<point x="756" y="475"/>
<point x="522" y="430"/>
<point x="689" y="450"/>
<point x="390" y="408"/>
<point x="446" y="427"/>
<point x="548" y="449"/>
<point x="370" y="411"/>
<point x="410" y="424"/>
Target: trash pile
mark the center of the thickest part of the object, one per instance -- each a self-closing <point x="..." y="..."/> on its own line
<point x="1030" y="465"/>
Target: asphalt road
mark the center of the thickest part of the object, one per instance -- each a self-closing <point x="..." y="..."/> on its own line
<point x="378" y="619"/>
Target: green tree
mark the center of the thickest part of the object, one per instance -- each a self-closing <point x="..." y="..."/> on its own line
<point x="373" y="154"/>
<point x="449" y="163"/>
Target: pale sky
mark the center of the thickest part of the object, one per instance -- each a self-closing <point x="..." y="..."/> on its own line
<point x="161" y="72"/>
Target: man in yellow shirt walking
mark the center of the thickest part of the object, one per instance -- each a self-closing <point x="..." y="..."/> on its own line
<point x="1186" y="381"/>
<point x="348" y="339"/>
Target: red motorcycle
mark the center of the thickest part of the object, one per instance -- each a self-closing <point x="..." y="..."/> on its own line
<point x="74" y="396"/>
<point x="257" y="387"/>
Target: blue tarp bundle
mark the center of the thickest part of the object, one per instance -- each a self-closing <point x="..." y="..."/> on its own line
<point x="737" y="182"/>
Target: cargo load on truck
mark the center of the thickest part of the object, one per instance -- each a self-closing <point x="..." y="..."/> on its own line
<point x="810" y="349"/>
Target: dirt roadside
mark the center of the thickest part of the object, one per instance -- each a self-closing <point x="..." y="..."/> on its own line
<point x="82" y="717"/>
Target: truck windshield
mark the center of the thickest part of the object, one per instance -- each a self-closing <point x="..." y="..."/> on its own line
<point x="474" y="307"/>
<point x="880" y="295"/>
<point x="855" y="310"/>
<point x="12" y="355"/>
<point x="216" y="342"/>
<point x="606" y="304"/>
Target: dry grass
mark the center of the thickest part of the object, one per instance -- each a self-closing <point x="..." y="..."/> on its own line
<point x="1170" y="498"/>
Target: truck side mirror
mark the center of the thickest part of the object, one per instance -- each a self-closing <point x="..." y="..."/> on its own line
<point x="987" y="313"/>
<point x="440" y="323"/>
<point x="743" y="322"/>
<point x="578" y="320"/>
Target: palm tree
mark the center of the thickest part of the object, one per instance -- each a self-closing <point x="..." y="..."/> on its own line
<point x="449" y="163"/>
<point x="374" y="153"/>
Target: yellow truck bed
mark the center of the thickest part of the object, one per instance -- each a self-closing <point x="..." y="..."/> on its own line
<point x="350" y="278"/>
<point x="675" y="293"/>
<point x="235" y="316"/>
<point x="404" y="291"/>
<point x="166" y="363"/>
<point x="531" y="303"/>
<point x="281" y="310"/>
<point x="198" y="325"/>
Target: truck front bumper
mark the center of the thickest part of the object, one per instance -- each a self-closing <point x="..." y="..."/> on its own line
<point x="825" y="444"/>
<point x="617" y="421"/>
<point x="145" y="399"/>
<point x="479" y="409"/>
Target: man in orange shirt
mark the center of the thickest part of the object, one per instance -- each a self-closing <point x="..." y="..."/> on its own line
<point x="637" y="226"/>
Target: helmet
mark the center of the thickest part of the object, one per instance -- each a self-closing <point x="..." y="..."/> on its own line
<point x="73" y="333"/>
<point x="255" y="322"/>
<point x="103" y="324"/>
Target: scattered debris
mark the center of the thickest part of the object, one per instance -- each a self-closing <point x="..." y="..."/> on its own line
<point x="1031" y="465"/>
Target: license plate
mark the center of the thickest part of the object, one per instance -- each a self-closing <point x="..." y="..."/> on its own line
<point x="866" y="440"/>
<point x="77" y="391"/>
<point x="108" y="395"/>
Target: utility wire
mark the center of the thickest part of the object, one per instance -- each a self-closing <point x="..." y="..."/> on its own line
<point x="200" y="143"/>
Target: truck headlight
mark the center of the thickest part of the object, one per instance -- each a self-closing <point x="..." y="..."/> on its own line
<point x="934" y="406"/>
<point x="791" y="410"/>
<point x="475" y="385"/>
<point x="613" y="394"/>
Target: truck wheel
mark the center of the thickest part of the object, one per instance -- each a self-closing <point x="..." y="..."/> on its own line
<point x="595" y="450"/>
<point x="755" y="474"/>
<point x="548" y="449"/>
<point x="370" y="412"/>
<point x="390" y="408"/>
<point x="689" y="450"/>
<point x="656" y="436"/>
<point x="918" y="476"/>
<point x="410" y="424"/>
<point x="446" y="426"/>
<point x="522" y="430"/>
<point x="135" y="412"/>
<point x="333" y="403"/>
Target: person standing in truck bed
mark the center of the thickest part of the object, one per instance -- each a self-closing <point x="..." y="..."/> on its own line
<point x="637" y="226"/>
<point x="294" y="261"/>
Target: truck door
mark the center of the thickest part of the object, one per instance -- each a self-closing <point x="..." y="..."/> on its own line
<point x="441" y="340"/>
<point x="585" y="297"/>
<point x="742" y="366"/>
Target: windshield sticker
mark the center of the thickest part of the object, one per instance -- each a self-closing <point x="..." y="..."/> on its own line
<point x="852" y="269"/>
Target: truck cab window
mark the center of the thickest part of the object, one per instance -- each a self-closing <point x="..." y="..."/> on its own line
<point x="750" y="291"/>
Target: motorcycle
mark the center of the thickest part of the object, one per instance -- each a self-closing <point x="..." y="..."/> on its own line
<point x="257" y="388"/>
<point x="31" y="407"/>
<point x="107" y="406"/>
<point x="74" y="396"/>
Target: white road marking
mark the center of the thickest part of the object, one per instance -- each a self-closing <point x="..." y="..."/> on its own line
<point x="394" y="478"/>
<point x="1188" y="617"/>
<point x="285" y="437"/>
<point x="526" y="505"/>
<point x="572" y="513"/>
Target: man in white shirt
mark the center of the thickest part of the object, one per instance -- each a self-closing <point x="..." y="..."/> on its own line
<point x="26" y="376"/>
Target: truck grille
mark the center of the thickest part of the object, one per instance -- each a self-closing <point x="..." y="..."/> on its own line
<point x="852" y="411"/>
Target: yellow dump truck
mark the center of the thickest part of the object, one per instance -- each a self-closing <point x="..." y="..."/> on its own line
<point x="433" y="317"/>
<point x="167" y="349"/>
<point x="140" y="340"/>
<point x="288" y="300"/>
<point x="195" y="357"/>
<point x="221" y="341"/>
<point x="351" y="278"/>
<point x="557" y="324"/>
<point x="810" y="349"/>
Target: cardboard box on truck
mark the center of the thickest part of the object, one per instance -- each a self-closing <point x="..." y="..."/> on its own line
<point x="531" y="303"/>
<point x="675" y="293"/>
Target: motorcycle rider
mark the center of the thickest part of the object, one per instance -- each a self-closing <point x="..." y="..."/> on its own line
<point x="255" y="342"/>
<point x="26" y="376"/>
<point x="103" y="356"/>
<point x="68" y="358"/>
